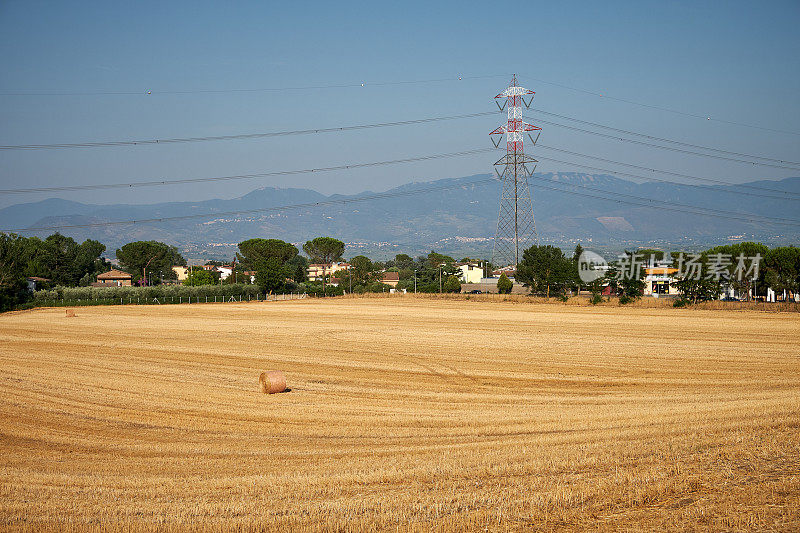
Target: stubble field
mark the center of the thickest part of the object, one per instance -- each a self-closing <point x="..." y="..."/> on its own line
<point x="404" y="413"/>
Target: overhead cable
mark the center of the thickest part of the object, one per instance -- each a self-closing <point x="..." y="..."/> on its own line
<point x="663" y="139"/>
<point x="677" y="174"/>
<point x="152" y="183"/>
<point x="155" y="91"/>
<point x="241" y="136"/>
<point x="706" y="117"/>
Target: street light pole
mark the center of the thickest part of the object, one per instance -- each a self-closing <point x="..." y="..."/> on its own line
<point x="415" y="281"/>
<point x="440" y="279"/>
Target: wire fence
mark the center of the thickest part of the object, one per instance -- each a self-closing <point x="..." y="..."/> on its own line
<point x="170" y="300"/>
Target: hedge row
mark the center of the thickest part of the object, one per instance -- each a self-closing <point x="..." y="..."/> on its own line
<point x="159" y="291"/>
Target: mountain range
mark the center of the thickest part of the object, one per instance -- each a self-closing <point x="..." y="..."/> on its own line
<point x="456" y="216"/>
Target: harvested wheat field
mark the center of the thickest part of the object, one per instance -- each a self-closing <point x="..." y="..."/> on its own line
<point x="403" y="413"/>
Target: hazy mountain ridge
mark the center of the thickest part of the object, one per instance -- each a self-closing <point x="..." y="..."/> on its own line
<point x="466" y="213"/>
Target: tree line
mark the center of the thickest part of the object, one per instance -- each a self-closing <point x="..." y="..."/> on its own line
<point x="59" y="262"/>
<point x="547" y="271"/>
<point x="278" y="266"/>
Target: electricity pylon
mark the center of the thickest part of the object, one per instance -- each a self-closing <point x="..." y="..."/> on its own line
<point x="516" y="228"/>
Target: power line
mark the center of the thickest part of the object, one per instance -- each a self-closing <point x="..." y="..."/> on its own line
<point x="662" y="139"/>
<point x="670" y="148"/>
<point x="152" y="183"/>
<point x="164" y="182"/>
<point x="677" y="174"/>
<point x="364" y="84"/>
<point x="177" y="140"/>
<point x="377" y="196"/>
<point x="715" y="188"/>
<point x="696" y="211"/>
<point x="246" y="136"/>
<point x="677" y="204"/>
<point x="662" y="108"/>
<point x="152" y="92"/>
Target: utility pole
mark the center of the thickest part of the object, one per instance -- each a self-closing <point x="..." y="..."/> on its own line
<point x="516" y="227"/>
<point x="415" y="281"/>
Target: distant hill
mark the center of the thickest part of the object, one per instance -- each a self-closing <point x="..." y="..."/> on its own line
<point x="460" y="219"/>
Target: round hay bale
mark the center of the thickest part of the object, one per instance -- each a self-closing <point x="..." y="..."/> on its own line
<point x="70" y="312"/>
<point x="272" y="382"/>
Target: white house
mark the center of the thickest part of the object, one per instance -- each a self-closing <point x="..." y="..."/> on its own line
<point x="659" y="281"/>
<point x="470" y="272"/>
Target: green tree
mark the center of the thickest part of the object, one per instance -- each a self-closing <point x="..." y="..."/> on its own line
<point x="782" y="266"/>
<point x="59" y="254"/>
<point x="88" y="261"/>
<point x="141" y="257"/>
<point x="739" y="275"/>
<point x="452" y="284"/>
<point x="630" y="286"/>
<point x="252" y="251"/>
<point x="361" y="270"/>
<point x="404" y="262"/>
<point x="545" y="269"/>
<point x="324" y="250"/>
<point x="406" y="274"/>
<point x="435" y="260"/>
<point x="298" y="268"/>
<point x="698" y="289"/>
<point x="596" y="286"/>
<point x="13" y="260"/>
<point x="199" y="276"/>
<point x="271" y="274"/>
<point x="697" y="285"/>
<point x="576" y="255"/>
<point x="646" y="253"/>
<point x="504" y="285"/>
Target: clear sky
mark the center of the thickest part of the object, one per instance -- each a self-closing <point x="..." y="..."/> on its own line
<point x="732" y="60"/>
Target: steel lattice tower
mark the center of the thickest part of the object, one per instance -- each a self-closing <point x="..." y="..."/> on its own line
<point x="516" y="228"/>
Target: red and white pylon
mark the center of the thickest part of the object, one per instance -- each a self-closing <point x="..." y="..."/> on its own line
<point x="516" y="228"/>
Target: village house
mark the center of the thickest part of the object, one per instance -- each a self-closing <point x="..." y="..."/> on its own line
<point x="660" y="281"/>
<point x="470" y="272"/>
<point x="225" y="271"/>
<point x="316" y="271"/>
<point x="33" y="280"/>
<point x="390" y="278"/>
<point x="510" y="272"/>
<point x="182" y="272"/>
<point x="113" y="278"/>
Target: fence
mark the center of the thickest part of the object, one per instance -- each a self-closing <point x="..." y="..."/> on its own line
<point x="169" y="300"/>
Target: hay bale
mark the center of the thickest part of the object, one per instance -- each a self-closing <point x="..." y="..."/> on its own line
<point x="70" y="312"/>
<point x="272" y="382"/>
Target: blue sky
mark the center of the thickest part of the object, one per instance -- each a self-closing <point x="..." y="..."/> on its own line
<point x="731" y="60"/>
